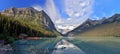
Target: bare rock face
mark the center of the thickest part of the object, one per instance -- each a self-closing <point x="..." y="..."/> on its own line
<point x="114" y="18"/>
<point x="85" y="26"/>
<point x="21" y="12"/>
<point x="40" y="16"/>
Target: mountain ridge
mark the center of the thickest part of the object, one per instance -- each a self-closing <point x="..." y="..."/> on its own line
<point x="91" y="24"/>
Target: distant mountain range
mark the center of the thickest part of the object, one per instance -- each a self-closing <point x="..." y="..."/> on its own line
<point x="104" y="27"/>
<point x="64" y="29"/>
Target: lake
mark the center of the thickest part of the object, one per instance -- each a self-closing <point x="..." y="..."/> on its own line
<point x="90" y="45"/>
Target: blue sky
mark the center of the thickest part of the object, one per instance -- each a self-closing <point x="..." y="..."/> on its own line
<point x="4" y="4"/>
<point x="101" y="8"/>
<point x="68" y="12"/>
<point x="106" y="8"/>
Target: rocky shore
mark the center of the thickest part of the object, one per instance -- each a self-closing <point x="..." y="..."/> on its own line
<point x="5" y="49"/>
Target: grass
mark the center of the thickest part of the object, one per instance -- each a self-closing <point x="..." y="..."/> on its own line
<point x="98" y="45"/>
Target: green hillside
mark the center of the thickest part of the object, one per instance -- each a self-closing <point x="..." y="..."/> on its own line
<point x="109" y="29"/>
<point x="11" y="27"/>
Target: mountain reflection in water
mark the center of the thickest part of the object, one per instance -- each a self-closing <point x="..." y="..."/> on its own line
<point x="42" y="46"/>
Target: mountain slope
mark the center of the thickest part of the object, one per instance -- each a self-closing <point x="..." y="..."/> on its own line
<point x="30" y="13"/>
<point x="103" y="27"/>
<point x="110" y="29"/>
<point x="16" y="21"/>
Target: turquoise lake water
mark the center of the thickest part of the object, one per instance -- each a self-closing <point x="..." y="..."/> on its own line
<point x="99" y="45"/>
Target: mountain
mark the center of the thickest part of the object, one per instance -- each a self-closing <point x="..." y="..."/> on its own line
<point x="16" y="21"/>
<point x="104" y="27"/>
<point x="65" y="28"/>
<point x="30" y="13"/>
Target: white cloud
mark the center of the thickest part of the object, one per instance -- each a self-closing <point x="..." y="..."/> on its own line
<point x="82" y="4"/>
<point x="59" y="21"/>
<point x="96" y="17"/>
<point x="77" y="10"/>
<point x="69" y="18"/>
<point x="66" y="27"/>
<point x="52" y="11"/>
<point x="77" y="14"/>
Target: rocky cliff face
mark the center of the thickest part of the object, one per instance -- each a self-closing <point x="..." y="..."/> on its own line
<point x="40" y="16"/>
<point x="93" y="23"/>
<point x="114" y="18"/>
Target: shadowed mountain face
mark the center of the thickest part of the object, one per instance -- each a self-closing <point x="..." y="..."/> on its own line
<point x="101" y="27"/>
